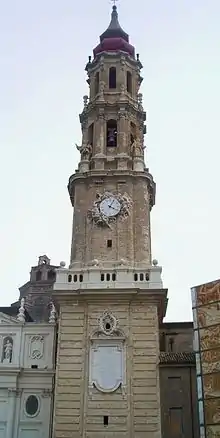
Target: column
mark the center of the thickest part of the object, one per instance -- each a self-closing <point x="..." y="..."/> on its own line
<point x="13" y="393"/>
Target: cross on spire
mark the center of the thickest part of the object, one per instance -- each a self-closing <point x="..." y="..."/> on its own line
<point x="114" y="2"/>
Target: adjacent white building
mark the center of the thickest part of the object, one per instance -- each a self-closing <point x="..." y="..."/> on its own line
<point x="27" y="367"/>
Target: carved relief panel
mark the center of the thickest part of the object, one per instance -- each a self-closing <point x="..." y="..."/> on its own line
<point x="38" y="348"/>
<point x="107" y="364"/>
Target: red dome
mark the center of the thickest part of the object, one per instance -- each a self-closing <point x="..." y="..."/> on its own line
<point x="114" y="38"/>
<point x="114" y="45"/>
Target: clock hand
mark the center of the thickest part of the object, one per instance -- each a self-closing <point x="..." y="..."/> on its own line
<point x="112" y="203"/>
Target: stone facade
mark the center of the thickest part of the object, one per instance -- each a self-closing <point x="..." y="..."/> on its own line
<point x="111" y="298"/>
<point x="27" y="357"/>
<point x="80" y="408"/>
<point x="206" y="319"/>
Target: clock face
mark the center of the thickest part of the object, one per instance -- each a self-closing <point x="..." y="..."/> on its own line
<point x="110" y="207"/>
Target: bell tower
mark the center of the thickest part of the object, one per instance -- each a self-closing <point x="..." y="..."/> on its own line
<point x="111" y="297"/>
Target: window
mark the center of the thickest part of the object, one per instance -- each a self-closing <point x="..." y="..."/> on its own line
<point x="133" y="133"/>
<point x="90" y="134"/>
<point x="51" y="275"/>
<point x="81" y="278"/>
<point x="38" y="275"/>
<point x="108" y="277"/>
<point x="147" y="277"/>
<point x="129" y="82"/>
<point x="170" y="345"/>
<point x="135" y="277"/>
<point x="32" y="406"/>
<point x="97" y="83"/>
<point x="109" y="243"/>
<point x="102" y="277"/>
<point x="69" y="278"/>
<point x="141" y="277"/>
<point x="111" y="133"/>
<point x="75" y="278"/>
<point x="105" y="420"/>
<point x="114" y="277"/>
<point x="112" y="77"/>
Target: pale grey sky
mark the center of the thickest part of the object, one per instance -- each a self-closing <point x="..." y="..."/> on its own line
<point x="44" y="48"/>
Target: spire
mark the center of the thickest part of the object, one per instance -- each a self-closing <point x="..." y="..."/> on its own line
<point x="114" y="30"/>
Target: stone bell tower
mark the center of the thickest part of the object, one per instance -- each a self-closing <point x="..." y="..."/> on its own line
<point x="111" y="297"/>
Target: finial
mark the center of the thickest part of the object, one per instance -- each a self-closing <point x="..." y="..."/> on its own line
<point x="52" y="318"/>
<point x="21" y="312"/>
<point x="114" y="2"/>
<point x="85" y="101"/>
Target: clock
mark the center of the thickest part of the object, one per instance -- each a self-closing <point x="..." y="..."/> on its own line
<point x="110" y="207"/>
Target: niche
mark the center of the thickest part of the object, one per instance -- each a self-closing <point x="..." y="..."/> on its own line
<point x="7" y="350"/>
<point x="111" y="133"/>
<point x="112" y="77"/>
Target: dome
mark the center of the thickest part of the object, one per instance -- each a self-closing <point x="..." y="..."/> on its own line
<point x="114" y="38"/>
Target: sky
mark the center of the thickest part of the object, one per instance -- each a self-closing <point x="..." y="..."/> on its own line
<point x="44" y="47"/>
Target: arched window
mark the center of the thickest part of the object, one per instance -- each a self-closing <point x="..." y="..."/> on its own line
<point x="51" y="275"/>
<point x="69" y="278"/>
<point x="111" y="133"/>
<point x="129" y="82"/>
<point x="97" y="83"/>
<point x="112" y="77"/>
<point x="90" y="134"/>
<point x="38" y="275"/>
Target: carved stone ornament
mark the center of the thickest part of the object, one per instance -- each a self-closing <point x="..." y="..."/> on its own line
<point x="108" y="323"/>
<point x="36" y="347"/>
<point x="108" y="207"/>
<point x="85" y="150"/>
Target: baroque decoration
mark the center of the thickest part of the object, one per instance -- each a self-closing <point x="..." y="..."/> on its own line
<point x="107" y="356"/>
<point x="36" y="347"/>
<point x="108" y="207"/>
<point x="108" y="323"/>
<point x="85" y="150"/>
